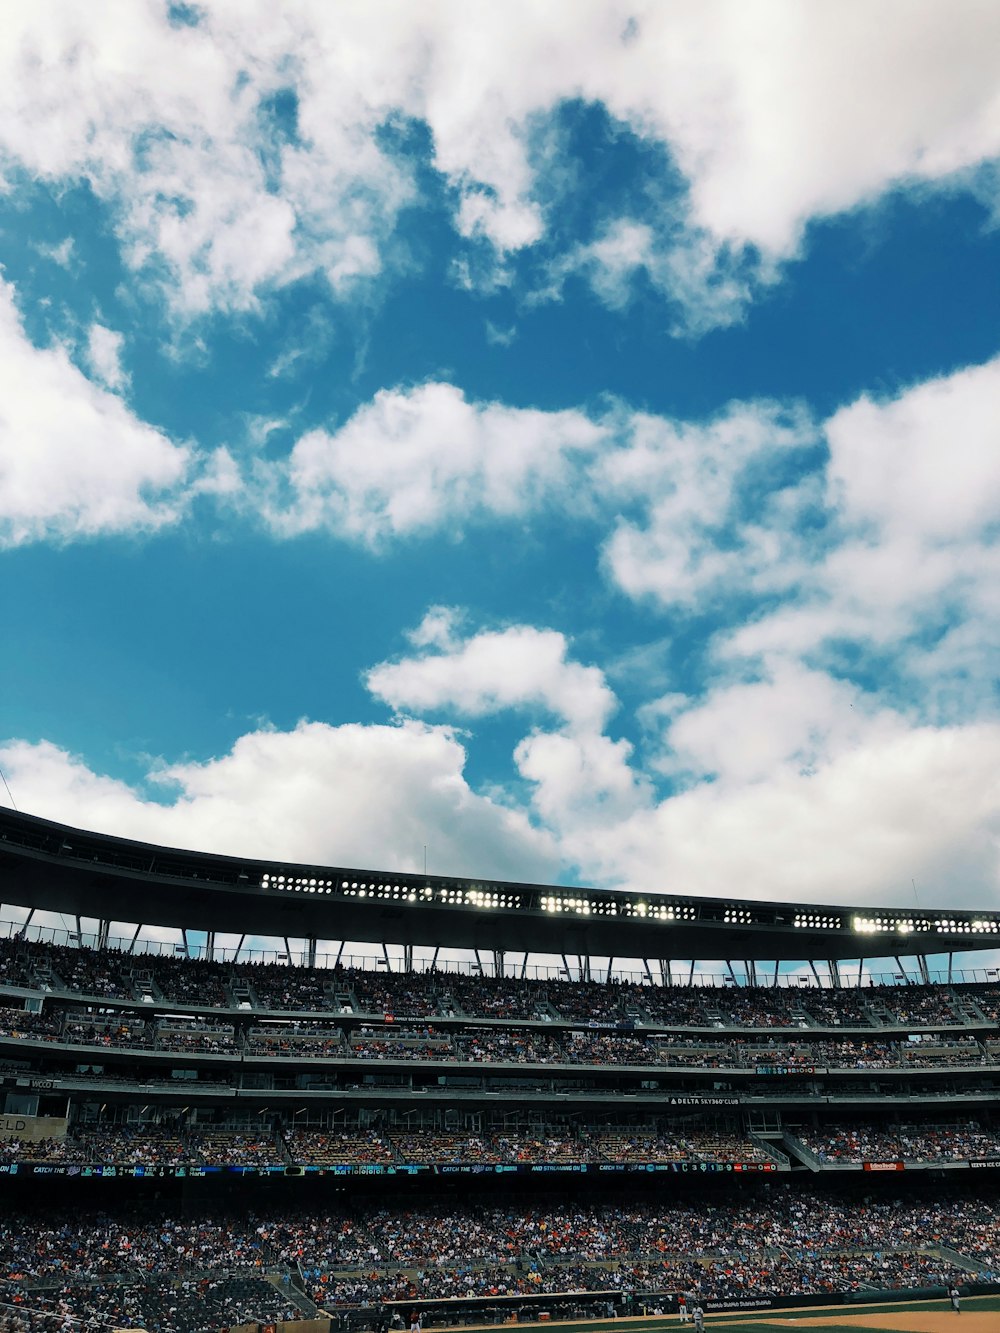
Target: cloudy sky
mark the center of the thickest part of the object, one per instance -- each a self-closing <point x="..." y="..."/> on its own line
<point x="564" y="438"/>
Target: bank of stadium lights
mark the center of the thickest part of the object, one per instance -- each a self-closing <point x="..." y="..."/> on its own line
<point x="580" y="905"/>
<point x="891" y="925"/>
<point x="920" y="925"/>
<point x="816" y="921"/>
<point x="451" y="897"/>
<point x="886" y="925"/>
<point x="297" y="884"/>
<point x="977" y="926"/>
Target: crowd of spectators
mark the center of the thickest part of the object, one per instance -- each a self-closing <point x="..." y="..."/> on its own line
<point x="111" y="974"/>
<point x="860" y="1142"/>
<point x="783" y="1241"/>
<point x="420" y="1040"/>
<point x="312" y="1041"/>
<point x="203" y="1305"/>
<point x="174" y="1142"/>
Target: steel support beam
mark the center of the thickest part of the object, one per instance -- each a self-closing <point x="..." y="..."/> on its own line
<point x="311" y="950"/>
<point x="210" y="946"/>
<point x="499" y="963"/>
<point x="103" y="931"/>
<point x="925" y="972"/>
<point x="407" y="957"/>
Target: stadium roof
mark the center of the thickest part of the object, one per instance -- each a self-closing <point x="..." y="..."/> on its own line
<point x="52" y="867"/>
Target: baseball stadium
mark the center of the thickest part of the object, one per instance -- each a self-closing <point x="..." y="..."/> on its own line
<point x="244" y="1094"/>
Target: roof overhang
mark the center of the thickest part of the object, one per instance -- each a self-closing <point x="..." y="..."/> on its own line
<point x="57" y="868"/>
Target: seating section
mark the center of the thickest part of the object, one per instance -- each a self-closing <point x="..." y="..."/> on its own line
<point x="351" y="1256"/>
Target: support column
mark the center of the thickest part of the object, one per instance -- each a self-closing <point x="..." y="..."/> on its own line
<point x="649" y="971"/>
<point x="691" y="973"/>
<point x="666" y="972"/>
<point x="834" y="967"/>
<point x="103" y="931"/>
<point x="499" y="963"/>
<point x="750" y="967"/>
<point x="583" y="960"/>
<point x="925" y="972"/>
<point x="407" y="957"/>
<point x="311" y="950"/>
<point x="27" y="923"/>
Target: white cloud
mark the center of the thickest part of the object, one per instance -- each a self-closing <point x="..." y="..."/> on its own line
<point x="913" y="494"/>
<point x="924" y="465"/>
<point x="321" y="794"/>
<point x="74" y="461"/>
<point x="104" y="356"/>
<point x="774" y="114"/>
<point x="693" y="484"/>
<point x="517" y="667"/>
<point x="584" y="784"/>
<point x="919" y="804"/>
<point x="795" y="721"/>
<point x="418" y="460"/>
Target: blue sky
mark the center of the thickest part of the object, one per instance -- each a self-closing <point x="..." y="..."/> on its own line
<point x="565" y="440"/>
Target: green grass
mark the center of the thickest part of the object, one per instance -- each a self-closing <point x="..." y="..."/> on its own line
<point x="786" y="1320"/>
<point x="777" y="1321"/>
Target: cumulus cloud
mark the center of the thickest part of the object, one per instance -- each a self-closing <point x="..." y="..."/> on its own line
<point x="915" y="804"/>
<point x="517" y="667"/>
<point x="717" y="503"/>
<point x="912" y="490"/>
<point x="248" y="148"/>
<point x="104" y="356"/>
<point x="319" y="794"/>
<point x="74" y="461"/>
<point x="418" y="460"/>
